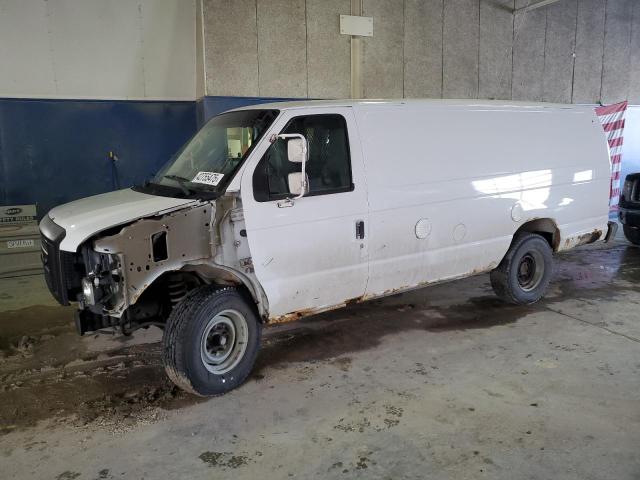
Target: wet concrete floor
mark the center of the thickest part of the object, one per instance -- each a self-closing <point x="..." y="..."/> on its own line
<point x="443" y="382"/>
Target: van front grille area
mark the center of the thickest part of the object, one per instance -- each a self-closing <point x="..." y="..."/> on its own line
<point x="61" y="270"/>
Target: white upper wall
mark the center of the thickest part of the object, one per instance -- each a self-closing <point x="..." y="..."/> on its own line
<point x="115" y="49"/>
<point x="631" y="145"/>
<point x="572" y="51"/>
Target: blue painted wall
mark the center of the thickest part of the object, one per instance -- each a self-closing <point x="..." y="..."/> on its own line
<point x="55" y="151"/>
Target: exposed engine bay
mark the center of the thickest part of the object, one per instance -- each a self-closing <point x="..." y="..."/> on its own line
<point x="131" y="276"/>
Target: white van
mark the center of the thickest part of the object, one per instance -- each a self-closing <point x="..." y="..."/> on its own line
<point x="273" y="212"/>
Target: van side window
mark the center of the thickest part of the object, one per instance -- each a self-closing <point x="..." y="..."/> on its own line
<point x="328" y="167"/>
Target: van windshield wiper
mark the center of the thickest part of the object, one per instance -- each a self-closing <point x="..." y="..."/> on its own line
<point x="182" y="182"/>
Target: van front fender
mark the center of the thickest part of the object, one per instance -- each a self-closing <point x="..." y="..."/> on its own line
<point x="149" y="247"/>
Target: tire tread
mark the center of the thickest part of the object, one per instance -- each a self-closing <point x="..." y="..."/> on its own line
<point x="632" y="234"/>
<point x="175" y="329"/>
<point x="500" y="275"/>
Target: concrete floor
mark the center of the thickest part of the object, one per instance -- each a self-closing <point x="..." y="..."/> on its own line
<point x="444" y="382"/>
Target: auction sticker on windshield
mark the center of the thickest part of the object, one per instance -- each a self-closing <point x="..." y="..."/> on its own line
<point x="208" y="178"/>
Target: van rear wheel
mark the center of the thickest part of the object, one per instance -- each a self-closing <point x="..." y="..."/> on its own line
<point x="525" y="272"/>
<point x="632" y="234"/>
<point x="211" y="341"/>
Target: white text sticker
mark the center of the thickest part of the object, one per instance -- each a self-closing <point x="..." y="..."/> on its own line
<point x="20" y="243"/>
<point x="208" y="178"/>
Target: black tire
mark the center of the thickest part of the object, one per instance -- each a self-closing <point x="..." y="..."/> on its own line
<point x="632" y="234"/>
<point x="186" y="350"/>
<point x="525" y="272"/>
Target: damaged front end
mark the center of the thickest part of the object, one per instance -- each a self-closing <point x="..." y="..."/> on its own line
<point x="129" y="276"/>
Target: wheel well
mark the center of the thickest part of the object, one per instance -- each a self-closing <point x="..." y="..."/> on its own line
<point x="546" y="228"/>
<point x="218" y="275"/>
<point x="195" y="279"/>
<point x="156" y="302"/>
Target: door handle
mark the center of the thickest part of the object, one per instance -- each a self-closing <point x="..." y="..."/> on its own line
<point x="360" y="229"/>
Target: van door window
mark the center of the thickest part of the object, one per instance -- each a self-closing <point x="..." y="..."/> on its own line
<point x="328" y="167"/>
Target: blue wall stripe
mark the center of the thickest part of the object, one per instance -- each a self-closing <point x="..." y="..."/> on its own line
<point x="55" y="151"/>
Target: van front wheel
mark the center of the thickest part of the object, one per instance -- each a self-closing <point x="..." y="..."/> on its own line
<point x="524" y="273"/>
<point x="211" y="340"/>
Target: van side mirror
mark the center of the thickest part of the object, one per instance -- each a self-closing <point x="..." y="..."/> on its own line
<point x="297" y="152"/>
<point x="297" y="147"/>
<point x="296" y="185"/>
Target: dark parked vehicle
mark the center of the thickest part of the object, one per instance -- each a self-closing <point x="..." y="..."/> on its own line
<point x="630" y="208"/>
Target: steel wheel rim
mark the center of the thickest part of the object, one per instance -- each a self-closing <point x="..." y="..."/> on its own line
<point x="530" y="271"/>
<point x="224" y="341"/>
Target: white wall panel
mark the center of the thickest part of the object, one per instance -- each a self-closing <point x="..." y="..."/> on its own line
<point x="634" y="67"/>
<point x="528" y="53"/>
<point x="146" y="49"/>
<point x="383" y="63"/>
<point x="461" y="48"/>
<point x="328" y="52"/>
<point x="423" y="48"/>
<point x="560" y="47"/>
<point x="25" y="52"/>
<point x="589" y="44"/>
<point x="231" y="47"/>
<point x="617" y="50"/>
<point x="168" y="53"/>
<point x="97" y="48"/>
<point x="496" y="41"/>
<point x="282" y="48"/>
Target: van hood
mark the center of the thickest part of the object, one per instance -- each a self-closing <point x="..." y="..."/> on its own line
<point x="85" y="217"/>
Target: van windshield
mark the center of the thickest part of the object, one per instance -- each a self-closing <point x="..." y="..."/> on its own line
<point x="207" y="162"/>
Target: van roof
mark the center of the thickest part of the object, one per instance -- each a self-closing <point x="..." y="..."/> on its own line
<point x="403" y="101"/>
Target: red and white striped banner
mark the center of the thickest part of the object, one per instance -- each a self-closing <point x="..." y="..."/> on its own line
<point x="612" y="120"/>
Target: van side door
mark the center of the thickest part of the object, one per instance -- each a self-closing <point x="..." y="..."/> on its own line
<point x="309" y="253"/>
